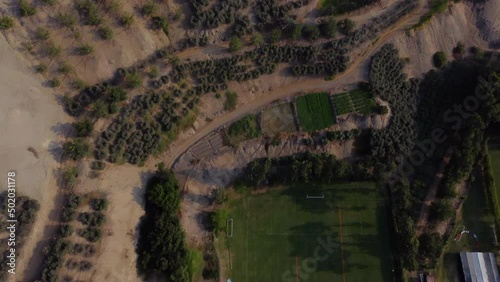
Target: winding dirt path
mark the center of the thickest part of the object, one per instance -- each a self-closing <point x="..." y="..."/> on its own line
<point x="295" y="88"/>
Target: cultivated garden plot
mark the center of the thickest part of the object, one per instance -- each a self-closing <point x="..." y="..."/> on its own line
<point x="315" y="111"/>
<point x="278" y="119"/>
<point x="356" y="101"/>
<point x="274" y="234"/>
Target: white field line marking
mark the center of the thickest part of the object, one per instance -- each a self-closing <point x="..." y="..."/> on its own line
<point x="247" y="258"/>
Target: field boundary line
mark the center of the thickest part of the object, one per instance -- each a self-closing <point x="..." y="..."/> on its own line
<point x="246" y="265"/>
<point x="342" y="245"/>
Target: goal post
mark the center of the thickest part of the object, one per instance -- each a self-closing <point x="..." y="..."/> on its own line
<point x="321" y="196"/>
<point x="229" y="227"/>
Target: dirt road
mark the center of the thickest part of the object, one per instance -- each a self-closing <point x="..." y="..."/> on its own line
<point x="351" y="75"/>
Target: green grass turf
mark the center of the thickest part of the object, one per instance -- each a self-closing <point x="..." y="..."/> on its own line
<point x="314" y="111"/>
<point x="359" y="101"/>
<point x="343" y="104"/>
<point x="272" y="229"/>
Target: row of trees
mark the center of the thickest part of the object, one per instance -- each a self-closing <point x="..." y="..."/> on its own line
<point x="304" y="168"/>
<point x="61" y="245"/>
<point x="26" y="212"/>
<point x="161" y="247"/>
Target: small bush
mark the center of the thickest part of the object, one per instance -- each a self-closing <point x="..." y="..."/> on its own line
<point x="149" y="9"/>
<point x="41" y="68"/>
<point x="70" y="176"/>
<point x="6" y="23"/>
<point x="235" y="44"/>
<point x="100" y="109"/>
<point x="126" y="20"/>
<point x="97" y="165"/>
<point x="42" y="33"/>
<point x="275" y="35"/>
<point x="133" y="80"/>
<point x="99" y="204"/>
<point x="256" y="39"/>
<point x="76" y="149"/>
<point x="25" y="9"/>
<point x="439" y="59"/>
<point x="347" y="26"/>
<point x="66" y="20"/>
<point x="160" y="23"/>
<point x="51" y="49"/>
<point x="92" y="234"/>
<point x="106" y="33"/>
<point x="64" y="67"/>
<point x="231" y="101"/>
<point x="153" y="73"/>
<point x="83" y="128"/>
<point x="459" y="50"/>
<point x="66" y="230"/>
<point x="68" y="215"/>
<point x="85" y="49"/>
<point x="54" y="83"/>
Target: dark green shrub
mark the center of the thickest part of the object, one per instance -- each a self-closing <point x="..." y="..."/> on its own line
<point x="100" y="109"/>
<point x="83" y="128"/>
<point x="70" y="175"/>
<point x="106" y="33"/>
<point x="91" y="234"/>
<point x="126" y="20"/>
<point x="66" y="230"/>
<point x="97" y="165"/>
<point x="67" y="20"/>
<point x="6" y="23"/>
<point x="99" y="204"/>
<point x="441" y="210"/>
<point x="231" y="101"/>
<point x="76" y="149"/>
<point x="25" y="9"/>
<point x="64" y="67"/>
<point x="85" y="49"/>
<point x="235" y="44"/>
<point x="439" y="59"/>
<point x="54" y="83"/>
<point x="149" y="9"/>
<point x="41" y="68"/>
<point x="42" y="33"/>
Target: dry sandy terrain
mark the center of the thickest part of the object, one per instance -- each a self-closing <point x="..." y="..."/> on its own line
<point x="30" y="117"/>
<point x="442" y="33"/>
<point x="124" y="188"/>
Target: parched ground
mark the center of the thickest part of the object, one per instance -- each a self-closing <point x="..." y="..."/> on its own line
<point x="31" y="118"/>
<point x="442" y="33"/>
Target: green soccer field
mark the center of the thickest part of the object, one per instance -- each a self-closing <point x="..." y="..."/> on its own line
<point x="276" y="233"/>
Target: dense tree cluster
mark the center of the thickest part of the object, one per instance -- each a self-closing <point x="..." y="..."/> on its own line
<point x="55" y="258"/>
<point x="388" y="81"/>
<point x="223" y="12"/>
<point x="161" y="248"/>
<point x="303" y="168"/>
<point x="26" y="211"/>
<point x="270" y="14"/>
<point x="341" y="7"/>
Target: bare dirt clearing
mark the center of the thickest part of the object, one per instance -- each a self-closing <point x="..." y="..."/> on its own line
<point x="31" y="118"/>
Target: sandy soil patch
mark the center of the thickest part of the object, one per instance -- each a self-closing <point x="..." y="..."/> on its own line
<point x="31" y="118"/>
<point x="124" y="188"/>
<point x="442" y="33"/>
